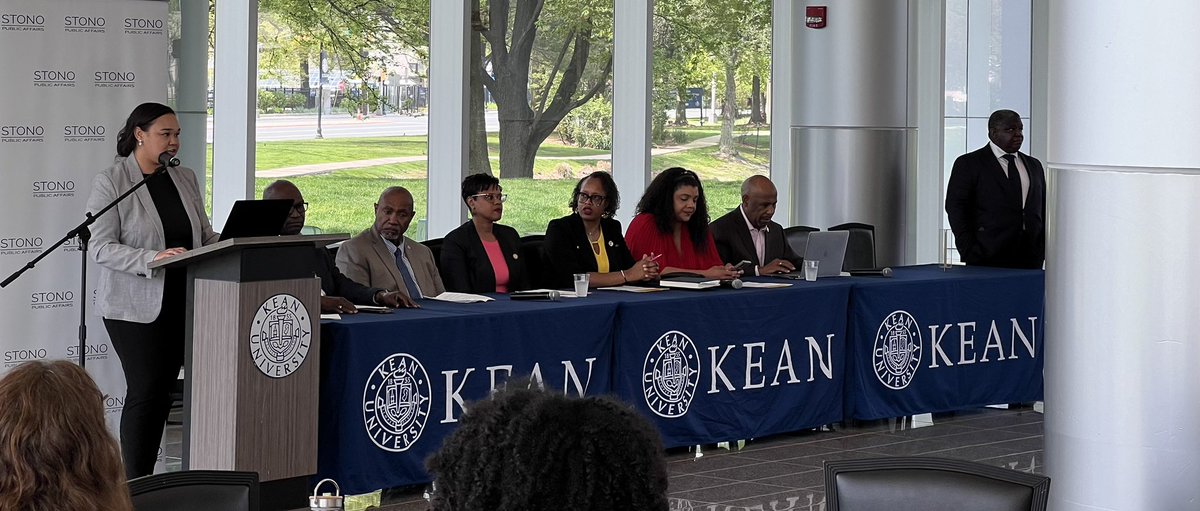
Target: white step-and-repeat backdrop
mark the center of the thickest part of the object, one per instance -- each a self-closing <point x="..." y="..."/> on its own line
<point x="70" y="73"/>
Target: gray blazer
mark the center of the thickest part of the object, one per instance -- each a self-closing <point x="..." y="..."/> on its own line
<point x="365" y="258"/>
<point x="126" y="239"/>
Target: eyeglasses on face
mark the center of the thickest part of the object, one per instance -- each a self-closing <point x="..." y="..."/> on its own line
<point x="491" y="197"/>
<point x="300" y="208"/>
<point x="595" y="200"/>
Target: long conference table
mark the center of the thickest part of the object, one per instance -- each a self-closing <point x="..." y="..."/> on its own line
<point x="703" y="366"/>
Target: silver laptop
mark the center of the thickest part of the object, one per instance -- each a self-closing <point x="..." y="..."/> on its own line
<point x="829" y="247"/>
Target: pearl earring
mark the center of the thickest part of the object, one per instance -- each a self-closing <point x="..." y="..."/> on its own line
<point x="139" y="142"/>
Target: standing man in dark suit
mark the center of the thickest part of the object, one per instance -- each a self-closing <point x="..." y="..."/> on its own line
<point x="382" y="256"/>
<point x="996" y="200"/>
<point x="748" y="234"/>
<point x="338" y="293"/>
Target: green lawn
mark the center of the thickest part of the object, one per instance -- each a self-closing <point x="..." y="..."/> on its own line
<point x="341" y="201"/>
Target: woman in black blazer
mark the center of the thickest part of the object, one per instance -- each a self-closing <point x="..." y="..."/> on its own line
<point x="482" y="256"/>
<point x="589" y="240"/>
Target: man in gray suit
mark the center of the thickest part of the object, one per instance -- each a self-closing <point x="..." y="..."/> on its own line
<point x="338" y="292"/>
<point x="383" y="257"/>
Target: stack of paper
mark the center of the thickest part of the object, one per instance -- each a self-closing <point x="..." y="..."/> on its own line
<point x="460" y="297"/>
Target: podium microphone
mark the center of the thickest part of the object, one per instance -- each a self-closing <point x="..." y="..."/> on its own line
<point x="881" y="272"/>
<point x="167" y="160"/>
<point x="551" y="295"/>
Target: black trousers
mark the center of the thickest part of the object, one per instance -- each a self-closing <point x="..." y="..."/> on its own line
<point x="151" y="356"/>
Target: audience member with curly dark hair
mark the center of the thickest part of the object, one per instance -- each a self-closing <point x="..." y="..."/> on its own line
<point x="672" y="224"/>
<point x="55" y="451"/>
<point x="528" y="450"/>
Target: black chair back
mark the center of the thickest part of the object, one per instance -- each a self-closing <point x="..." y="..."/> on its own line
<point x="196" y="490"/>
<point x="930" y="484"/>
<point x="797" y="237"/>
<point x="435" y="246"/>
<point x="860" y="249"/>
<point x="534" y="256"/>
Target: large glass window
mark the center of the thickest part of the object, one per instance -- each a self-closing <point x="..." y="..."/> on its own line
<point x="712" y="68"/>
<point x="541" y="102"/>
<point x="342" y="92"/>
<point x="988" y="67"/>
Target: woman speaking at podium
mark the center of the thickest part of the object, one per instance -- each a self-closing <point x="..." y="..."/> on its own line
<point x="144" y="309"/>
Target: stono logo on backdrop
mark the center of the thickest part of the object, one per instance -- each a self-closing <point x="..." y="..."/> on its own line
<point x="14" y="358"/>
<point x="22" y="133"/>
<point x="113" y="404"/>
<point x="84" y="133"/>
<point x="20" y="245"/>
<point x="42" y="300"/>
<point x="114" y="79"/>
<point x="899" y="345"/>
<point x="53" y="78"/>
<point x="143" y="26"/>
<point x="673" y="369"/>
<point x="90" y="351"/>
<point x="85" y="24"/>
<point x="48" y="189"/>
<point x="22" y="22"/>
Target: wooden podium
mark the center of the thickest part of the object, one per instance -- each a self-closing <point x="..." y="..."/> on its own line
<point x="252" y="363"/>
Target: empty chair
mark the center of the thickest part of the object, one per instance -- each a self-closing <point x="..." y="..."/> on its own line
<point x="196" y="490"/>
<point x="860" y="250"/>
<point x="797" y="237"/>
<point x="435" y="246"/>
<point x="534" y="255"/>
<point x="930" y="484"/>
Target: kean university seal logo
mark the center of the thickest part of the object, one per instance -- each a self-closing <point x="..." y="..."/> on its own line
<point x="280" y="335"/>
<point x="670" y="374"/>
<point x="897" y="352"/>
<point x="396" y="402"/>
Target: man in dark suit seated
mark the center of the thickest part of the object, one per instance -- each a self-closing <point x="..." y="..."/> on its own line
<point x="748" y="234"/>
<point x="382" y="256"/>
<point x="996" y="200"/>
<point x="338" y="292"/>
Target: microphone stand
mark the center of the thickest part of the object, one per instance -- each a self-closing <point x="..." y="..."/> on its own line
<point x="81" y="231"/>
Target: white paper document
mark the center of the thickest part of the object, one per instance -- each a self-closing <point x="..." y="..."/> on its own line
<point x="461" y="297"/>
<point x="632" y="289"/>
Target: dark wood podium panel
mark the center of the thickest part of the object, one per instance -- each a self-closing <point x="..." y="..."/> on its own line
<point x="255" y="370"/>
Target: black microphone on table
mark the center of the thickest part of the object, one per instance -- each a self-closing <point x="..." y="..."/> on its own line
<point x="166" y="159"/>
<point x="880" y="272"/>
<point x="551" y="295"/>
<point x="732" y="283"/>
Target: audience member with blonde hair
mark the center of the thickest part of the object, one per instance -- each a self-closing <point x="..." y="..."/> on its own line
<point x="55" y="451"/>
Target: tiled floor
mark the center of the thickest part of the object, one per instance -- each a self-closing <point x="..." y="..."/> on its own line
<point x="785" y="472"/>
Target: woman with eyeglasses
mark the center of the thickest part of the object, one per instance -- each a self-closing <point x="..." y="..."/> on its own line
<point x="589" y="239"/>
<point x="143" y="309"/>
<point x="482" y="256"/>
<point x="672" y="223"/>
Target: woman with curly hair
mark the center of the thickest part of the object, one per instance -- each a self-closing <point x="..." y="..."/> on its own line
<point x="55" y="451"/>
<point x="528" y="450"/>
<point x="589" y="239"/>
<point x="672" y="224"/>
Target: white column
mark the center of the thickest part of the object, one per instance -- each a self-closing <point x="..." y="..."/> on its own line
<point x="449" y="114"/>
<point x="191" y="103"/>
<point x="632" y="35"/>
<point x="781" y="108"/>
<point x="1122" y="426"/>
<point x="925" y="194"/>
<point x="234" y="102"/>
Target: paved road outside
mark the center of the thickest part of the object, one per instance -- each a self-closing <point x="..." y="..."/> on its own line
<point x="342" y="125"/>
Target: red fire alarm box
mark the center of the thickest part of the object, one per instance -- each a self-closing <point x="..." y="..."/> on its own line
<point x="814" y="16"/>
